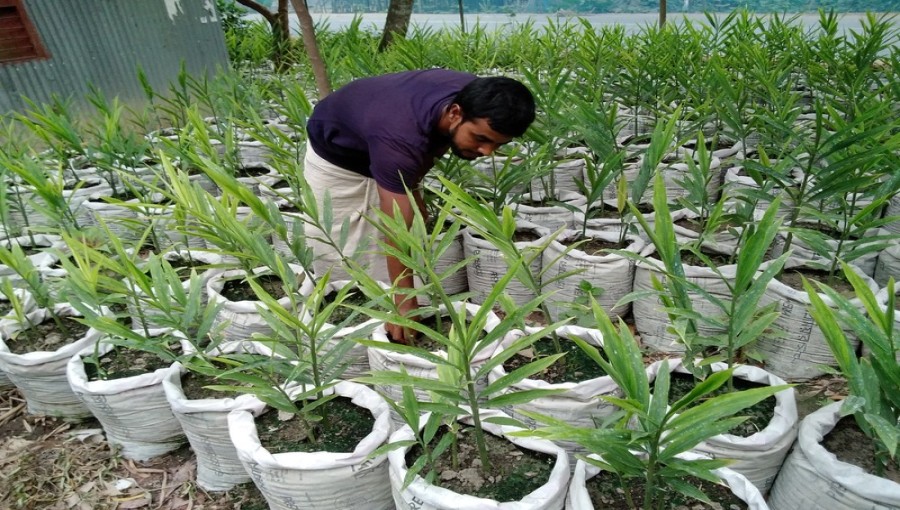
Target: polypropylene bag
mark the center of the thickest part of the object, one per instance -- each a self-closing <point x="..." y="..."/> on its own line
<point x="423" y="496"/>
<point x="812" y="478"/>
<point x="205" y="423"/>
<point x="133" y="410"/>
<point x="759" y="456"/>
<point x="612" y="273"/>
<point x="319" y="480"/>
<point x="579" y="499"/>
<point x="383" y="360"/>
<point x="41" y="375"/>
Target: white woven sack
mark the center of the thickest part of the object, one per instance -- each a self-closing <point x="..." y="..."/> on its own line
<point x="357" y="355"/>
<point x="579" y="403"/>
<point x="41" y="375"/>
<point x="551" y="217"/>
<point x="633" y="123"/>
<point x="615" y="225"/>
<point x="651" y="320"/>
<point x="493" y="165"/>
<point x="683" y="234"/>
<point x="759" y="456"/>
<point x="383" y="360"/>
<point x="205" y="257"/>
<point x="740" y="486"/>
<point x="172" y="232"/>
<point x="75" y="199"/>
<point x="631" y="167"/>
<point x="488" y="265"/>
<point x="813" y="478"/>
<point x="888" y="264"/>
<point x="611" y="272"/>
<point x="136" y="176"/>
<point x="205" y="423"/>
<point x="255" y="183"/>
<point x="148" y="313"/>
<point x="28" y="305"/>
<point x="735" y="150"/>
<point x="672" y="174"/>
<point x="133" y="411"/>
<point x="634" y="226"/>
<point x="457" y="282"/>
<point x="241" y="318"/>
<point x="893" y="209"/>
<point x="79" y="198"/>
<point x="797" y="349"/>
<point x="882" y="298"/>
<point x="41" y="260"/>
<point x="565" y="175"/>
<point x="319" y="480"/>
<point x="279" y="192"/>
<point x="205" y="183"/>
<point x="248" y="217"/>
<point x="253" y="153"/>
<point x="733" y="182"/>
<point x="122" y="221"/>
<point x="282" y="246"/>
<point x="800" y="250"/>
<point x="423" y="496"/>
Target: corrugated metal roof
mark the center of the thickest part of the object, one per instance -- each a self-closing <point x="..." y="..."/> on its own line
<point x="104" y="42"/>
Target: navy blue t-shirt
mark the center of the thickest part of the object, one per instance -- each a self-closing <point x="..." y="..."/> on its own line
<point x="385" y="127"/>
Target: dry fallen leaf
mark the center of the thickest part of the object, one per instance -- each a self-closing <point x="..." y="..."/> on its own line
<point x="139" y="500"/>
<point x="527" y="353"/>
<point x="184" y="472"/>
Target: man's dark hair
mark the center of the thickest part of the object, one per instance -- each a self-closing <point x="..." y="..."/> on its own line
<point x="506" y="103"/>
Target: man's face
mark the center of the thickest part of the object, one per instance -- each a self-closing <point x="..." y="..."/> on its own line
<point x="474" y="138"/>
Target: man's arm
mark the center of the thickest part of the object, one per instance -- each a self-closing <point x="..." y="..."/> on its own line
<point x="399" y="273"/>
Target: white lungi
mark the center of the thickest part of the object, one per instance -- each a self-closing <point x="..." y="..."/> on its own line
<point x="353" y="197"/>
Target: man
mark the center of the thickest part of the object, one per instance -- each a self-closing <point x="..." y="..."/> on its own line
<point x="376" y="137"/>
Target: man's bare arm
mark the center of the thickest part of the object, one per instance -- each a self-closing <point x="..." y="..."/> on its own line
<point x="399" y="273"/>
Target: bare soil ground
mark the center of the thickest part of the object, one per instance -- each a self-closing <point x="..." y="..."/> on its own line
<point x="49" y="464"/>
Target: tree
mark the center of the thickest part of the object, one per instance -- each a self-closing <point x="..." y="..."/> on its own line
<point x="397" y="22"/>
<point x="281" y="34"/>
<point x="308" y="33"/>
<point x="281" y="38"/>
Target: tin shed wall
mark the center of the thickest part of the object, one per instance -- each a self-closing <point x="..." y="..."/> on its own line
<point x="104" y="42"/>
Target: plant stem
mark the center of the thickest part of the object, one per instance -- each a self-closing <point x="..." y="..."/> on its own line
<point x="627" y="491"/>
<point x="476" y="422"/>
<point x="652" y="475"/>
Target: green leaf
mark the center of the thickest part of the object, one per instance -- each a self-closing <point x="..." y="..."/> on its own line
<point x="886" y="432"/>
<point x="387" y="448"/>
<point x="702" y="388"/>
<point x="519" y="397"/>
<point x="852" y="405"/>
<point x="688" y="490"/>
<point x="521" y="373"/>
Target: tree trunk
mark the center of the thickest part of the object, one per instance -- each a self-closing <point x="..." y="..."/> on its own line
<point x="281" y="35"/>
<point x="397" y="22"/>
<point x="308" y="33"/>
<point x="662" y="13"/>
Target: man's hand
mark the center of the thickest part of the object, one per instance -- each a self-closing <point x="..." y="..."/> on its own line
<point x="399" y="334"/>
<point x="399" y="274"/>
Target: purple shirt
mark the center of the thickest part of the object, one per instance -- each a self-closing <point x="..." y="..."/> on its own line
<point x="385" y="127"/>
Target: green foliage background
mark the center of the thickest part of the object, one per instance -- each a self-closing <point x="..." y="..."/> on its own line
<point x="614" y="6"/>
<point x="592" y="6"/>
